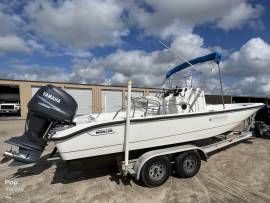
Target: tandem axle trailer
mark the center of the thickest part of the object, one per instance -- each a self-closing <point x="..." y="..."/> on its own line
<point x="154" y="167"/>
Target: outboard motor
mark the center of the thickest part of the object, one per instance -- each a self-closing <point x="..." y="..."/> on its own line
<point x="49" y="107"/>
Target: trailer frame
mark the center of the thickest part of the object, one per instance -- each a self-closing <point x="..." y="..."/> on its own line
<point x="135" y="166"/>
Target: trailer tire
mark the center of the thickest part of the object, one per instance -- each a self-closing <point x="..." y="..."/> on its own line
<point x="187" y="164"/>
<point x="156" y="171"/>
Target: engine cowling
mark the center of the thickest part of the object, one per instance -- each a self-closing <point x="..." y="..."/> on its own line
<point x="50" y="106"/>
<point x="53" y="103"/>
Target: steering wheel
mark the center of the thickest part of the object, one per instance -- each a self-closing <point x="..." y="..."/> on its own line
<point x="184" y="106"/>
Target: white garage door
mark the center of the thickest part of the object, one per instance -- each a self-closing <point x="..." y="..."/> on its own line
<point x="111" y="100"/>
<point x="83" y="98"/>
<point x="34" y="90"/>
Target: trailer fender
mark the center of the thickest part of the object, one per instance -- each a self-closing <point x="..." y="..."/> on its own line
<point x="203" y="155"/>
<point x="161" y="152"/>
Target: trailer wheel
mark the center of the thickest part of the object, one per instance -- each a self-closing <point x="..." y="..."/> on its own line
<point x="187" y="164"/>
<point x="156" y="171"/>
<point x="258" y="130"/>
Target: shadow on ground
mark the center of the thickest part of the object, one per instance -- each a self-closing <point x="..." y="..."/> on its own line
<point x="84" y="169"/>
<point x="69" y="172"/>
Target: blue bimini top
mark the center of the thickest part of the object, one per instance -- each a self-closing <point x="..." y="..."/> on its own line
<point x="216" y="56"/>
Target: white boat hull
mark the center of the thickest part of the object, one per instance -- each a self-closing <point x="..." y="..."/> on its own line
<point x="108" y="138"/>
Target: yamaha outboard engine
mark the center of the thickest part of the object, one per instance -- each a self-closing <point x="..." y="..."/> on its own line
<point x="49" y="107"/>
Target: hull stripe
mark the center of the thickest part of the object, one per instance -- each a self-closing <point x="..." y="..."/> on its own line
<point x="154" y="138"/>
<point x="152" y="119"/>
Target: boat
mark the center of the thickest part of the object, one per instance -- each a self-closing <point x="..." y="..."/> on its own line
<point x="174" y="116"/>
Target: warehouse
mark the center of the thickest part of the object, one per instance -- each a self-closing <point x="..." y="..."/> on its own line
<point x="91" y="98"/>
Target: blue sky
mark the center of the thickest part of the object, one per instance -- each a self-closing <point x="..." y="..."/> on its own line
<point x="110" y="41"/>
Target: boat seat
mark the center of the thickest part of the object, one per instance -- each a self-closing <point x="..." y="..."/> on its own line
<point x="150" y="104"/>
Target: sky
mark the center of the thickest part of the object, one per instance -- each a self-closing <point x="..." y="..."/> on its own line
<point x="111" y="41"/>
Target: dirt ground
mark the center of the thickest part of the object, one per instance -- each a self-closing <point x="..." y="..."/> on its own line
<point x="237" y="174"/>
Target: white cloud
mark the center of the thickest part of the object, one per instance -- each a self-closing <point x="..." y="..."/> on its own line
<point x="118" y="78"/>
<point x="78" y="53"/>
<point x="251" y="86"/>
<point x="82" y="23"/>
<point x="13" y="43"/>
<point x="248" y="68"/>
<point x="251" y="60"/>
<point x="134" y="62"/>
<point x="189" y="45"/>
<point x="9" y="23"/>
<point x="241" y="14"/>
<point x="39" y="73"/>
<point x="35" y="45"/>
<point x="73" y="27"/>
<point x="86" y="71"/>
<point x="174" y="18"/>
<point x="145" y="69"/>
<point x="81" y="72"/>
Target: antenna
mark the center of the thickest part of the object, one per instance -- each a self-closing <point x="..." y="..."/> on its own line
<point x="176" y="53"/>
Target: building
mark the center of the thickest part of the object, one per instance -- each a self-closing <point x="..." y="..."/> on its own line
<point x="92" y="98"/>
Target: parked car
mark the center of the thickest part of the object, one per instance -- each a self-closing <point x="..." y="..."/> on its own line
<point x="11" y="108"/>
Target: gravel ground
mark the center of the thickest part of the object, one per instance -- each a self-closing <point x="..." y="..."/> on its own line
<point x="238" y="174"/>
